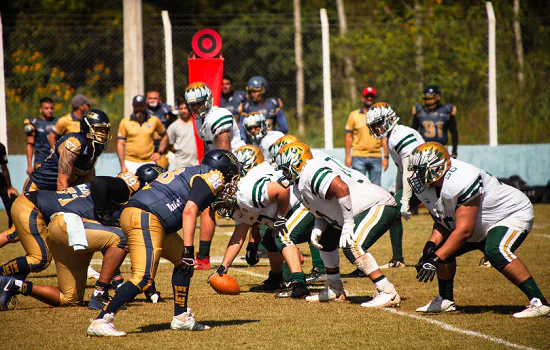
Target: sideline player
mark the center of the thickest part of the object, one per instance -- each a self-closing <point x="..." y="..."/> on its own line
<point x="472" y="210"/>
<point x="37" y="130"/>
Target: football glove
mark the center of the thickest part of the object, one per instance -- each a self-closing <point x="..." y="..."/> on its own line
<point x="221" y="270"/>
<point x="279" y="225"/>
<point x="187" y="260"/>
<point x="316" y="238"/>
<point x="429" y="249"/>
<point x="428" y="268"/>
<point x="346" y="237"/>
<point x="405" y="211"/>
<point x="106" y="219"/>
<point x="252" y="254"/>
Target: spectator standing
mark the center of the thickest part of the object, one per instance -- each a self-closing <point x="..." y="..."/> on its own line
<point x="435" y="120"/>
<point x="71" y="122"/>
<point x="231" y="99"/>
<point x="182" y="138"/>
<point x="366" y="156"/>
<point x="162" y="111"/>
<point x="135" y="144"/>
<point x="37" y="130"/>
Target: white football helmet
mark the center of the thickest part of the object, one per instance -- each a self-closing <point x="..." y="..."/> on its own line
<point x="251" y="122"/>
<point x="381" y="118"/>
<point x="198" y="99"/>
<point x="428" y="162"/>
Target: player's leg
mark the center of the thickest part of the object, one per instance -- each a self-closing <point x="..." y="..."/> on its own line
<point x="396" y="237"/>
<point x="275" y="280"/>
<point x="208" y="226"/>
<point x="501" y="243"/>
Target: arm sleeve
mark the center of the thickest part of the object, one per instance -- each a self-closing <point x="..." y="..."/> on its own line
<point x="105" y="190"/>
<point x="29" y="128"/>
<point x="454" y="132"/>
<point x="280" y="119"/>
<point x="201" y="194"/>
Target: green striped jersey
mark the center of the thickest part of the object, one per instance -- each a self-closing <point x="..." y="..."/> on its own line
<point x="216" y="121"/>
<point x="402" y="141"/>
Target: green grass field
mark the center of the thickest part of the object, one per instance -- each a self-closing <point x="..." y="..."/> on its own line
<point x="485" y="298"/>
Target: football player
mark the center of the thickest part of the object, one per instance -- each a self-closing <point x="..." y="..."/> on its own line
<point x="218" y="129"/>
<point x="37" y="130"/>
<point x="402" y="140"/>
<point x="435" y="120"/>
<point x="231" y="99"/>
<point x="472" y="210"/>
<point x="163" y="111"/>
<point x="271" y="108"/>
<point x="256" y="129"/>
<point x="153" y="216"/>
<point x="350" y="212"/>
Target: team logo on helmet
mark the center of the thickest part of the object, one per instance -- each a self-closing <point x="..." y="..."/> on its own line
<point x="96" y="125"/>
<point x="381" y="118"/>
<point x="248" y="156"/>
<point x="280" y="143"/>
<point x="429" y="162"/>
<point x="198" y="99"/>
<point x="291" y="160"/>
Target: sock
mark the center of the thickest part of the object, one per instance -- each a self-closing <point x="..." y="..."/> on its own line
<point x="26" y="288"/>
<point x="204" y="249"/>
<point x="101" y="288"/>
<point x="13" y="237"/>
<point x="298" y="277"/>
<point x="18" y="267"/>
<point x="316" y="259"/>
<point x="117" y="281"/>
<point x="333" y="276"/>
<point x="126" y="293"/>
<point x="396" y="238"/>
<point x="381" y="282"/>
<point x="180" y="285"/>
<point x="530" y="288"/>
<point x="446" y="289"/>
<point x="286" y="272"/>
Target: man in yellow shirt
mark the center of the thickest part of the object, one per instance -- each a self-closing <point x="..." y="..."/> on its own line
<point x="135" y="145"/>
<point x="70" y="122"/>
<point x="366" y="156"/>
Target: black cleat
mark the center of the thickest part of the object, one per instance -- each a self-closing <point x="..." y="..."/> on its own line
<point x="299" y="291"/>
<point x="152" y="295"/>
<point x="355" y="274"/>
<point x="98" y="301"/>
<point x="316" y="276"/>
<point x="273" y="283"/>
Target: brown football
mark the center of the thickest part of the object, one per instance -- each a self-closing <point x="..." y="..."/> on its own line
<point x="224" y="284"/>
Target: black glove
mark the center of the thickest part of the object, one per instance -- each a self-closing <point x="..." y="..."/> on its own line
<point x="429" y="249"/>
<point x="428" y="269"/>
<point x="221" y="270"/>
<point x="187" y="259"/>
<point x="279" y="225"/>
<point x="106" y="219"/>
<point x="252" y="254"/>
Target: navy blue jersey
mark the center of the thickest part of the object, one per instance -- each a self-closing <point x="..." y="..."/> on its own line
<point x="233" y="101"/>
<point x="269" y="109"/>
<point x="45" y="177"/>
<point x="433" y="124"/>
<point x="40" y="129"/>
<point x="167" y="196"/>
<point x="160" y="112"/>
<point x="51" y="202"/>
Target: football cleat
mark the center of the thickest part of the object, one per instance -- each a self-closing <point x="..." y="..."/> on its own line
<point x="484" y="262"/>
<point x="393" y="263"/>
<point x="202" y="264"/>
<point x="355" y="274"/>
<point x="384" y="298"/>
<point x="186" y="321"/>
<point x="438" y="305"/>
<point x="316" y="276"/>
<point x="273" y="283"/>
<point x="299" y="291"/>
<point x="98" y="301"/>
<point x="8" y="290"/>
<point x="152" y="295"/>
<point x="104" y="327"/>
<point x="535" y="309"/>
<point x="92" y="274"/>
<point x="333" y="291"/>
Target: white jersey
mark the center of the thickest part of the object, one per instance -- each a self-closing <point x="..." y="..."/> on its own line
<point x="216" y="121"/>
<point x="314" y="183"/>
<point x="464" y="182"/>
<point x="266" y="142"/>
<point x="402" y="141"/>
<point x="252" y="198"/>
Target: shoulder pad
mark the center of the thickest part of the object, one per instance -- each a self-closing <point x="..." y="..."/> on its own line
<point x="73" y="144"/>
<point x="131" y="181"/>
<point x="214" y="180"/>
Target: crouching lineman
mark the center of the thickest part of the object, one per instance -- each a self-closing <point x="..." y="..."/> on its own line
<point x="402" y="140"/>
<point x="159" y="210"/>
<point x="259" y="200"/>
<point x="350" y="212"/>
<point x="472" y="210"/>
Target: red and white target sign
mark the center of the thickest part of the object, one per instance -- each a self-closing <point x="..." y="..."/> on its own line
<point x="207" y="43"/>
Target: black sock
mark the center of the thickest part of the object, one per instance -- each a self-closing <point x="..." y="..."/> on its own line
<point x="26" y="288"/>
<point x="102" y="287"/>
<point x="126" y="293"/>
<point x="204" y="249"/>
<point x="180" y="285"/>
<point x="446" y="289"/>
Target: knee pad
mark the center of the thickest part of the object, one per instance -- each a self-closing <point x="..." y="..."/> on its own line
<point x="331" y="259"/>
<point x="366" y="263"/>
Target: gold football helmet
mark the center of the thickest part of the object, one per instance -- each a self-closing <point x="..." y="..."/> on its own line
<point x="249" y="156"/>
<point x="429" y="162"/>
<point x="282" y="141"/>
<point x="381" y="118"/>
<point x="198" y="99"/>
<point x="291" y="160"/>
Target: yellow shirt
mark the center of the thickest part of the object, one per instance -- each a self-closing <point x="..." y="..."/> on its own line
<point x="364" y="145"/>
<point x="67" y="124"/>
<point x="139" y="137"/>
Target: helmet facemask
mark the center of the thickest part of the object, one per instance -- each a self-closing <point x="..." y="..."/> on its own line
<point x="381" y="119"/>
<point x="225" y="202"/>
<point x="198" y="99"/>
<point x="255" y="127"/>
<point x="428" y="163"/>
<point x="96" y="134"/>
<point x="291" y="160"/>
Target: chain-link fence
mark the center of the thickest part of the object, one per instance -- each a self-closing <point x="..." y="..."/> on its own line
<point x="396" y="57"/>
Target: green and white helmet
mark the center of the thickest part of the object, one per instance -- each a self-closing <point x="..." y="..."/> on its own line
<point x="381" y="118"/>
<point x="428" y="162"/>
<point x="252" y="121"/>
<point x="198" y="99"/>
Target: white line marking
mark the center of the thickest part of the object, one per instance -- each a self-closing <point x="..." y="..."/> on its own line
<point x="448" y="327"/>
<point x="541" y="235"/>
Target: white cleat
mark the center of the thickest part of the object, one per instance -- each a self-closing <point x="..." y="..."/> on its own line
<point x="438" y="305"/>
<point x="104" y="327"/>
<point x="333" y="291"/>
<point x="186" y="321"/>
<point x="535" y="309"/>
<point x="92" y="274"/>
<point x="384" y="299"/>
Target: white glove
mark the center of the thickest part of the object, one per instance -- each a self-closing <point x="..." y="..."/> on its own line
<point x="405" y="211"/>
<point x="346" y="237"/>
<point x="316" y="237"/>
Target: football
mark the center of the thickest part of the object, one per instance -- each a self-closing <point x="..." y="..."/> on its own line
<point x="224" y="284"/>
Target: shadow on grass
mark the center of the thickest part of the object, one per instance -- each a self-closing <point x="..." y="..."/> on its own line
<point x="496" y="309"/>
<point x="358" y="299"/>
<point x="164" y="326"/>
